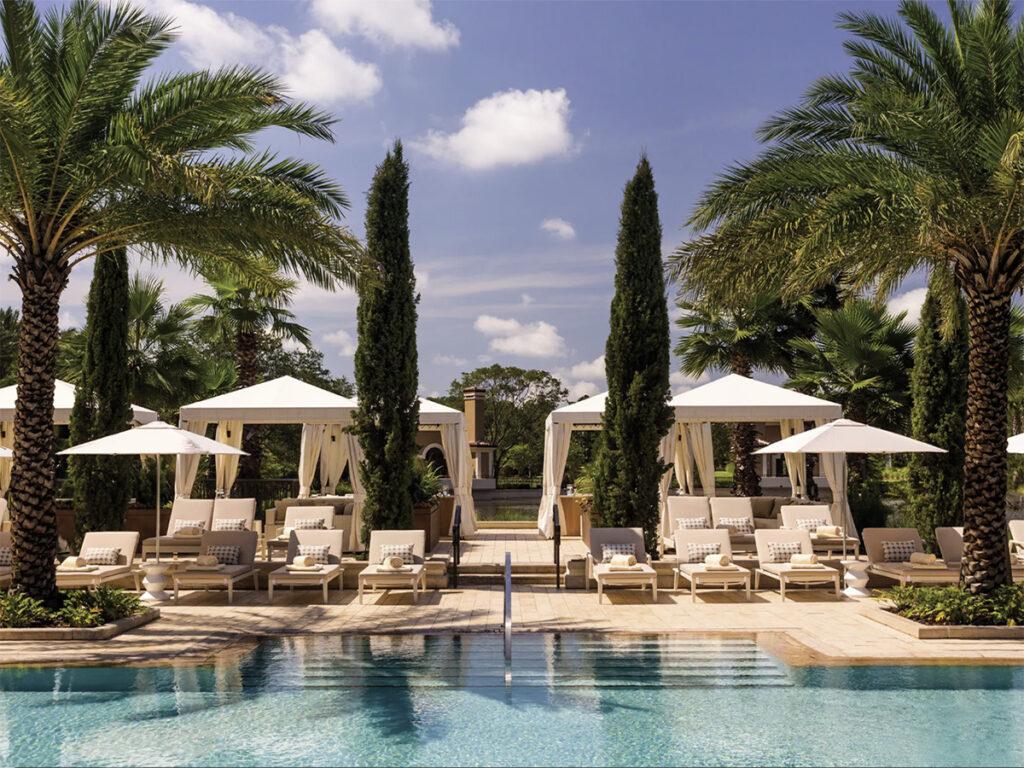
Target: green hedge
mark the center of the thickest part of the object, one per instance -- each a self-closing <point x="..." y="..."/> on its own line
<point x="79" y="609"/>
<point x="954" y="605"/>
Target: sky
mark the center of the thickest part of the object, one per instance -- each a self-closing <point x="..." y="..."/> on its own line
<point x="522" y="123"/>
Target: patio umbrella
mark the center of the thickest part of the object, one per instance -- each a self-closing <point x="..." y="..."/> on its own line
<point x="1015" y="444"/>
<point x="6" y="453"/>
<point x="156" y="439"/>
<point x="844" y="436"/>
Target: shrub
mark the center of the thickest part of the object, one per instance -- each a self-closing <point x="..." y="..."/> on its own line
<point x="116" y="604"/>
<point x="78" y="612"/>
<point x="954" y="605"/>
<point x="18" y="610"/>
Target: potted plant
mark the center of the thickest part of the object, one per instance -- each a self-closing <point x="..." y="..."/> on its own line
<point x="426" y="487"/>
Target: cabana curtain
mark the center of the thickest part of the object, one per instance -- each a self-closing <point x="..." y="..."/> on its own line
<point x="229" y="433"/>
<point x="309" y="455"/>
<point x="187" y="465"/>
<point x="556" y="452"/>
<point x="333" y="457"/>
<point x="834" y="467"/>
<point x="796" y="464"/>
<point x="460" y="472"/>
<point x="6" y="441"/>
<point x="703" y="454"/>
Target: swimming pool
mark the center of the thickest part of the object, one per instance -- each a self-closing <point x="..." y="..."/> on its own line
<point x="574" y="700"/>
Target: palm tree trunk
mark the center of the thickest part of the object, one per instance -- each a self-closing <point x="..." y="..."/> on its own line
<point x="745" y="481"/>
<point x="33" y="513"/>
<point x="986" y="563"/>
<point x="248" y="370"/>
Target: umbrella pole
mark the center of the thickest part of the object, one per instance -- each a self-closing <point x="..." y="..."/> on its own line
<point x="155" y="579"/>
<point x="157" y="507"/>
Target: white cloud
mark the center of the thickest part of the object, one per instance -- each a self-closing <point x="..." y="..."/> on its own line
<point x="581" y="389"/>
<point x="909" y="302"/>
<point x="292" y="345"/>
<point x="343" y="340"/>
<point x="559" y="228"/>
<point x="538" y="339"/>
<point x="681" y="382"/>
<point x="506" y="129"/>
<point x="310" y="65"/>
<point x="398" y="23"/>
<point x="449" y="360"/>
<point x="527" y="300"/>
<point x="592" y="370"/>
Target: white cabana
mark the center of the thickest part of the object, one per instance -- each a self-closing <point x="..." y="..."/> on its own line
<point x="63" y="403"/>
<point x="451" y="423"/>
<point x="1015" y="444"/>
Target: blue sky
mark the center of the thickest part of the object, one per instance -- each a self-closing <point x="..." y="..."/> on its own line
<point x="522" y="121"/>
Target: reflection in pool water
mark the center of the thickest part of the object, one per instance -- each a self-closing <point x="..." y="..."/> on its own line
<point x="574" y="700"/>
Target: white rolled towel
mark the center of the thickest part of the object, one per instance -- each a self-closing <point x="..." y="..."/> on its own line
<point x="207" y="560"/>
<point x="623" y="561"/>
<point x="392" y="563"/>
<point x="922" y="558"/>
<point x="304" y="561"/>
<point x="74" y="562"/>
<point x="717" y="561"/>
<point x="802" y="559"/>
<point x="828" y="531"/>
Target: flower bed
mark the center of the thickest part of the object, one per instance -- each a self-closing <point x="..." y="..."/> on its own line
<point x="80" y="609"/>
<point x="954" y="606"/>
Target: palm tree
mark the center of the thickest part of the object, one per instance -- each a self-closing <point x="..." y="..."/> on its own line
<point x="238" y="314"/>
<point x="911" y="158"/>
<point x="93" y="158"/>
<point x="739" y="339"/>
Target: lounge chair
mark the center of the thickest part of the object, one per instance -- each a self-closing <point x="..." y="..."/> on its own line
<point x="889" y="550"/>
<point x="324" y="575"/>
<point x="5" y="515"/>
<point x="951" y="546"/>
<point x="295" y="518"/>
<point x="731" y="512"/>
<point x="602" y="539"/>
<point x="688" y="511"/>
<point x="124" y="544"/>
<point x="1017" y="536"/>
<point x="794" y="515"/>
<point x="412" y="575"/>
<point x="183" y="512"/>
<point x="5" y="570"/>
<point x="689" y="545"/>
<point x="774" y="562"/>
<point x="227" y="574"/>
<point x="230" y="512"/>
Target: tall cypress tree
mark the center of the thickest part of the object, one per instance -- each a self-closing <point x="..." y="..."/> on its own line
<point x="102" y="484"/>
<point x="938" y="387"/>
<point x="636" y="416"/>
<point x="386" y="366"/>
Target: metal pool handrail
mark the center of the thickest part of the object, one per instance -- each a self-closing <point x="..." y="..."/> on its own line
<point x="508" y="616"/>
<point x="456" y="544"/>
<point x="558" y="546"/>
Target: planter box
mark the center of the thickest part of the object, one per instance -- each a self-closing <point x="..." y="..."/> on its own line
<point x="940" y="631"/>
<point x="427" y="518"/>
<point x="445" y="510"/>
<point x="105" y="632"/>
<point x="577" y="523"/>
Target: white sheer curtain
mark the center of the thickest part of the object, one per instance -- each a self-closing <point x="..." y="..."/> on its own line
<point x="309" y="455"/>
<point x="684" y="461"/>
<point x="460" y="471"/>
<point x="355" y="464"/>
<point x="834" y="467"/>
<point x="6" y="441"/>
<point x="796" y="463"/>
<point x="229" y="433"/>
<point x="703" y="454"/>
<point x="187" y="465"/>
<point x="556" y="452"/>
<point x="667" y="452"/>
<point x="333" y="456"/>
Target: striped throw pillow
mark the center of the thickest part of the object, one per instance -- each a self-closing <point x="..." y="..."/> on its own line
<point x="782" y="551"/>
<point x="230" y="524"/>
<point x="608" y="551"/>
<point x="897" y="551"/>
<point x="309" y="524"/>
<point x="101" y="555"/>
<point x="403" y="551"/>
<point x="741" y="525"/>
<point x="811" y="523"/>
<point x="697" y="552"/>
<point x="6" y="557"/>
<point x="226" y="554"/>
<point x="319" y="552"/>
<point x="691" y="523"/>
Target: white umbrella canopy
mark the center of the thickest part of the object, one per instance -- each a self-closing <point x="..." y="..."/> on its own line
<point x="1015" y="444"/>
<point x="158" y="438"/>
<point x="6" y="453"/>
<point x="846" y="436"/>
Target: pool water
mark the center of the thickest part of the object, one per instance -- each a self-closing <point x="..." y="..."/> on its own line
<point x="573" y="700"/>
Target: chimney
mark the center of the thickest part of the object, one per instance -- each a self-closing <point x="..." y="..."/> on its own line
<point x="474" y="408"/>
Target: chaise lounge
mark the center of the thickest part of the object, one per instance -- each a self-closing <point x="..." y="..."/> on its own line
<point x="776" y="550"/>
<point x="236" y="555"/>
<point x="325" y="547"/>
<point x="687" y="512"/>
<point x="735" y="514"/>
<point x="410" y="546"/>
<point x="605" y="543"/>
<point x="109" y="556"/>
<point x="185" y="514"/>
<point x="890" y="551"/>
<point x="951" y="545"/>
<point x="693" y="548"/>
<point x="810" y="517"/>
<point x="6" y="570"/>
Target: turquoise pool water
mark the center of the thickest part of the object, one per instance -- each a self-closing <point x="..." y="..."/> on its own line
<point x="574" y="700"/>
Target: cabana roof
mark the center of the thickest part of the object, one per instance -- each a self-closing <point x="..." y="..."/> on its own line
<point x="284" y="400"/>
<point x="63" y="402"/>
<point x="583" y="413"/>
<point x="736" y="398"/>
<point x="432" y="413"/>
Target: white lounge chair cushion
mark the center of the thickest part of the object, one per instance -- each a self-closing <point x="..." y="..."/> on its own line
<point x="741" y="525"/>
<point x="226" y="554"/>
<point x="230" y="524"/>
<point x="94" y="572"/>
<point x="376" y="571"/>
<point x="225" y="571"/>
<point x="404" y="551"/>
<point x="288" y="571"/>
<point x="101" y="555"/>
<point x="6" y="557"/>
<point x="695" y="553"/>
<point x="821" y="571"/>
<point x="692" y="568"/>
<point x="640" y="569"/>
<point x="897" y="551"/>
<point x="691" y="523"/>
<point x="782" y="551"/>
<point x="608" y="551"/>
<point x="319" y="552"/>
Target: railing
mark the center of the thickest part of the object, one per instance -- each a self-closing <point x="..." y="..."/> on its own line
<point x="456" y="544"/>
<point x="558" y="546"/>
<point x="265" y="491"/>
<point x="508" y="618"/>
